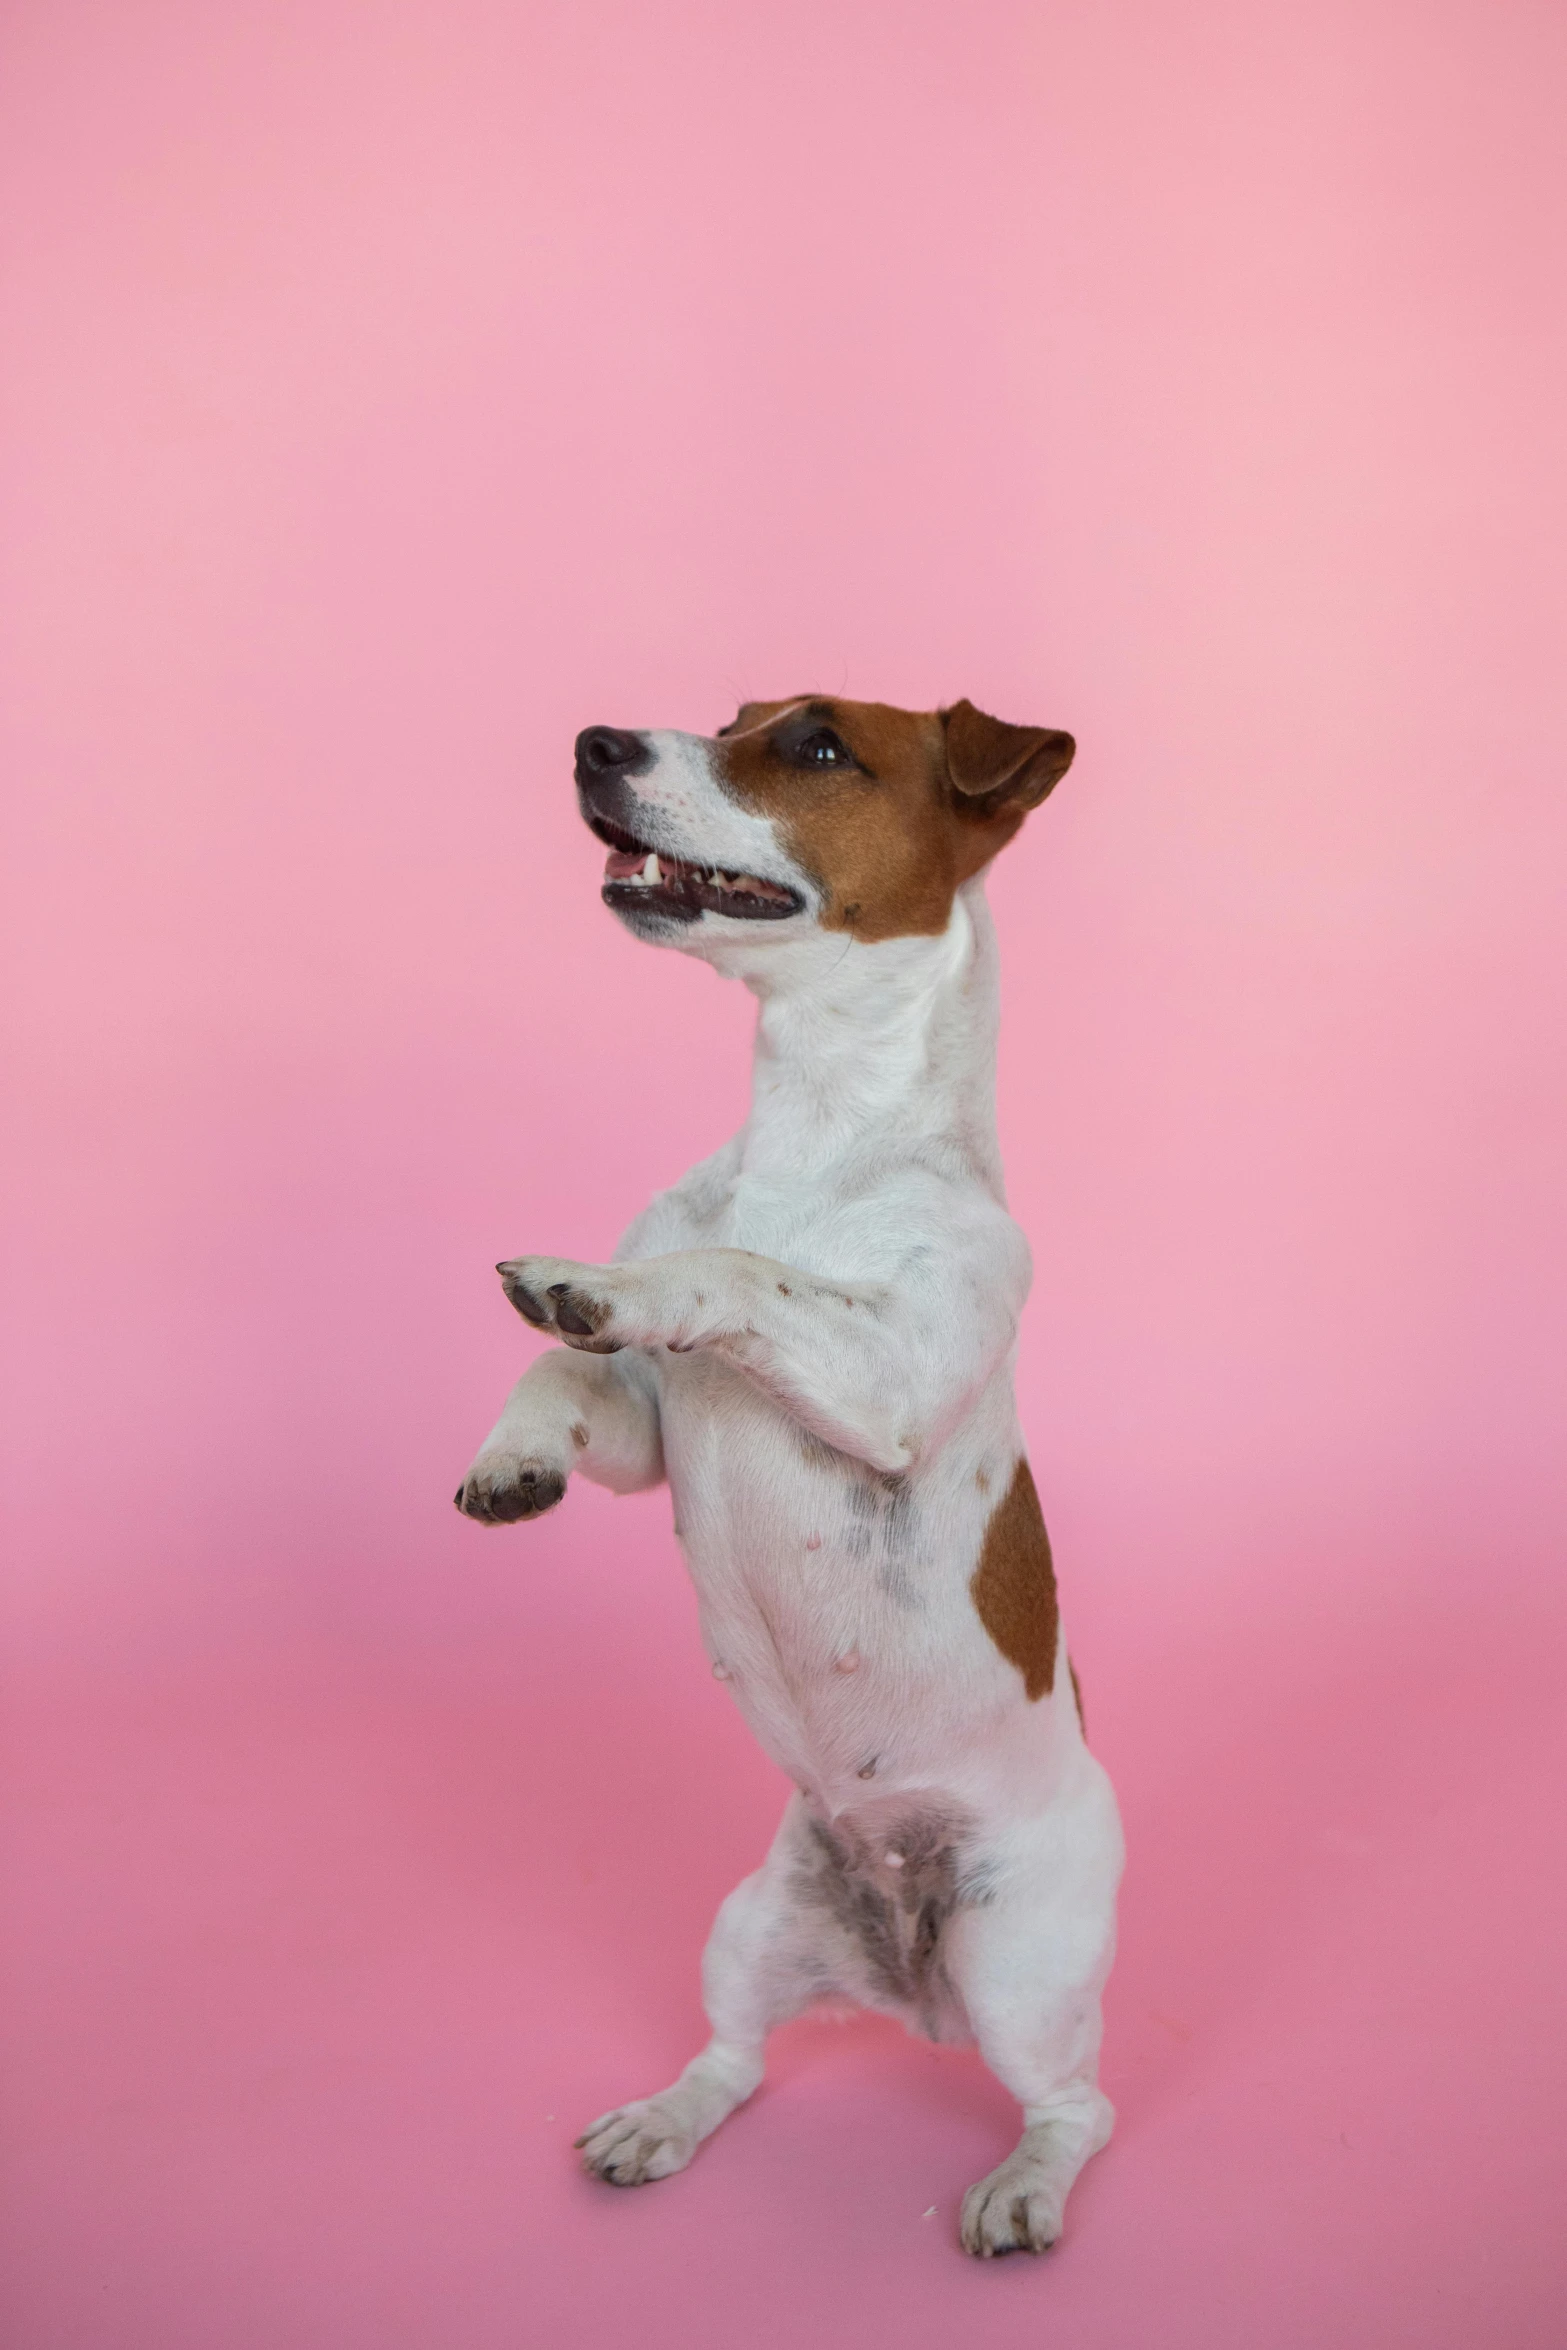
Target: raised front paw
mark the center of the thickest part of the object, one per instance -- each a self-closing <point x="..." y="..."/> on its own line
<point x="503" y="1487"/>
<point x="575" y="1301"/>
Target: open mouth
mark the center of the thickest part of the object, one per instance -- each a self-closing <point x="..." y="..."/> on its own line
<point x="640" y="880"/>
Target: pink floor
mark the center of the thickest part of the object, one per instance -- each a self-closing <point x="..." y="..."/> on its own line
<point x="311" y="1975"/>
<point x="386" y="392"/>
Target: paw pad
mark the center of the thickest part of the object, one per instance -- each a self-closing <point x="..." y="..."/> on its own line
<point x="501" y="1500"/>
<point x="577" y="1315"/>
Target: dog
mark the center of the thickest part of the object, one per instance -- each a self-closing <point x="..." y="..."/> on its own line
<point x="812" y="1338"/>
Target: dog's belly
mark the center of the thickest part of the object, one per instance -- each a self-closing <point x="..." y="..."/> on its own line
<point x="835" y="1600"/>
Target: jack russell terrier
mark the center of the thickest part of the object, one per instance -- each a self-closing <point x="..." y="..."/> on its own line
<point x="812" y="1337"/>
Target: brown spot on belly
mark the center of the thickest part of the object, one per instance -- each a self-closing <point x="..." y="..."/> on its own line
<point x="1014" y="1585"/>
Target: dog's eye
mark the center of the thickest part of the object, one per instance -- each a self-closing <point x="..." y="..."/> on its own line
<point x="823" y="749"/>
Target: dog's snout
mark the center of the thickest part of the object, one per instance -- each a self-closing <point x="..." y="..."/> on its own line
<point x="607" y="752"/>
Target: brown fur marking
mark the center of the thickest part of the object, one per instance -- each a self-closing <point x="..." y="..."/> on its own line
<point x="1014" y="1585"/>
<point x="1077" y="1692"/>
<point x="935" y="794"/>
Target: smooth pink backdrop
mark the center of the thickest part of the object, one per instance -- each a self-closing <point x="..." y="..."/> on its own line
<point x="391" y="390"/>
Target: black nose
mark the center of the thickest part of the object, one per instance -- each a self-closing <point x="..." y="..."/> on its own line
<point x="605" y="752"/>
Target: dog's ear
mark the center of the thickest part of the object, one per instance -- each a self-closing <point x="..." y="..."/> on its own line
<point x="995" y="768"/>
<point x="745" y="716"/>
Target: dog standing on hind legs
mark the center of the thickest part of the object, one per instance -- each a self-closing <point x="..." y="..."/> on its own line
<point x="812" y="1337"/>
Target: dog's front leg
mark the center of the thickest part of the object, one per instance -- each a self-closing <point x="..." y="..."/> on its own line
<point x="566" y="1412"/>
<point x="875" y="1369"/>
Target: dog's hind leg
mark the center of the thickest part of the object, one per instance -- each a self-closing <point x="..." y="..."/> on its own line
<point x="1030" y="1967"/>
<point x="770" y="1955"/>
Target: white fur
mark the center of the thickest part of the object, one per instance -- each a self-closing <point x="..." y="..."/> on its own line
<point x="816" y="1332"/>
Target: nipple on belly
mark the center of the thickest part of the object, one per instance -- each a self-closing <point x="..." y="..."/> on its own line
<point x="720" y="1669"/>
<point x="813" y="1542"/>
<point x="849" y="1662"/>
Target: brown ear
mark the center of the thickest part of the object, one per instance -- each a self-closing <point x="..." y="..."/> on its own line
<point x="741" y="718"/>
<point x="993" y="766"/>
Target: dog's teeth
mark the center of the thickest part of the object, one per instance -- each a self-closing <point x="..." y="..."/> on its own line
<point x="651" y="870"/>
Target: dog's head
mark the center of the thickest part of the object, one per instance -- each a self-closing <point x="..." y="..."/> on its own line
<point x="815" y="813"/>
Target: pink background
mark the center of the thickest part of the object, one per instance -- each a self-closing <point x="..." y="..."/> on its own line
<point x="390" y="390"/>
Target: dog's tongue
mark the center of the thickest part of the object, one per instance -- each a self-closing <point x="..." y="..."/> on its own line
<point x="621" y="864"/>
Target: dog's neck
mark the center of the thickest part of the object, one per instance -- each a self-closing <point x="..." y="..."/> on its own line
<point x="865" y="1050"/>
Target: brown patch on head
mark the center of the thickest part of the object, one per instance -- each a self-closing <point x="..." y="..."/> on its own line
<point x="1014" y="1585"/>
<point x="889" y="811"/>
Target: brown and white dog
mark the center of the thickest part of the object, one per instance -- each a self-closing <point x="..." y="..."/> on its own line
<point x="812" y="1338"/>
